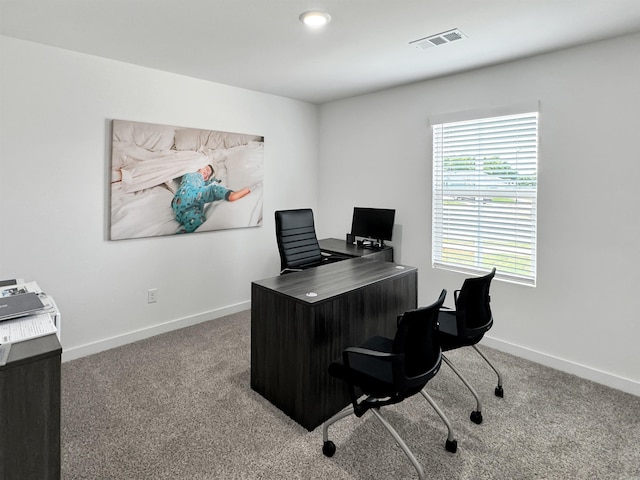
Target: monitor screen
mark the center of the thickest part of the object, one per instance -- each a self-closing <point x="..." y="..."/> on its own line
<point x="375" y="223"/>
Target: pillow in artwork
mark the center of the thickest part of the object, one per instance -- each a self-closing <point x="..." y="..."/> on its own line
<point x="217" y="158"/>
<point x="244" y="165"/>
<point x="195" y="139"/>
<point x="190" y="138"/>
<point x="151" y="137"/>
<point x="236" y="139"/>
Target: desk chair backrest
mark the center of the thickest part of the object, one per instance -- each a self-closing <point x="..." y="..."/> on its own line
<point x="417" y="339"/>
<point x="473" y="309"/>
<point x="296" y="237"/>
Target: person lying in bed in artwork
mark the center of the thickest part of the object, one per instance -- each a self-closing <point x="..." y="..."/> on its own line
<point x="197" y="189"/>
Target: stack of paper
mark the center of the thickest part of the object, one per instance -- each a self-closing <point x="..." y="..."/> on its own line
<point x="26" y="312"/>
<point x="23" y="328"/>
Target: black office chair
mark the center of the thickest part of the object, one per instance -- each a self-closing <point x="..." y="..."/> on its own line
<point x="466" y="325"/>
<point x="389" y="370"/>
<point x="297" y="241"/>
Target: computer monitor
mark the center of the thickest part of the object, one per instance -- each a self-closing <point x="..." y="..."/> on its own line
<point x="373" y="223"/>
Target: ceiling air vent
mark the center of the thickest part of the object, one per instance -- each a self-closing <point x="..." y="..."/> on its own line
<point x="439" y="39"/>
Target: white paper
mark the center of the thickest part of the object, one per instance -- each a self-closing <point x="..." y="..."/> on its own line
<point x="24" y="328"/>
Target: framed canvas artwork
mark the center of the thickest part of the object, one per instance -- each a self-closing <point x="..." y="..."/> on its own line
<point x="168" y="180"/>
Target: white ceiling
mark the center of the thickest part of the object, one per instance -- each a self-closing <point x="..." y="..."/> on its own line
<point x="261" y="45"/>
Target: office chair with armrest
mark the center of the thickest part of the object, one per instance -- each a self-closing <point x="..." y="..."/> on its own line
<point x="388" y="371"/>
<point x="465" y="327"/>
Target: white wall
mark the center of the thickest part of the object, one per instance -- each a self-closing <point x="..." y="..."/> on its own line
<point x="55" y="133"/>
<point x="582" y="316"/>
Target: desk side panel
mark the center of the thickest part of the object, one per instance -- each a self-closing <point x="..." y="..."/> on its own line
<point x="277" y="351"/>
<point x="381" y="254"/>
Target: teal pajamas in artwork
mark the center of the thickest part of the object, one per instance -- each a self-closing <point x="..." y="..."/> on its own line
<point x="192" y="195"/>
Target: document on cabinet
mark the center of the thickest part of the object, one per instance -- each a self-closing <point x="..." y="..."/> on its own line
<point x="24" y="328"/>
<point x="18" y="288"/>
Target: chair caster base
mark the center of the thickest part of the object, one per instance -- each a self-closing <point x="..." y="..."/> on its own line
<point x="451" y="446"/>
<point x="476" y="417"/>
<point x="329" y="448"/>
<point x="499" y="391"/>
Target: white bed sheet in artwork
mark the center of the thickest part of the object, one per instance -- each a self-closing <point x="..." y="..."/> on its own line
<point x="144" y="182"/>
<point x="148" y="212"/>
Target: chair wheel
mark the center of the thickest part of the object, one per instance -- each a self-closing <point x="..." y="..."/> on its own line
<point x="499" y="391"/>
<point x="476" y="417"/>
<point x="451" y="446"/>
<point x="329" y="448"/>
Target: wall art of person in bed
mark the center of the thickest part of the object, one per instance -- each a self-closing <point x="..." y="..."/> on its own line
<point x="197" y="189"/>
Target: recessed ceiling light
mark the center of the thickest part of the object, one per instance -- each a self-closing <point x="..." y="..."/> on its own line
<point x="315" y="18"/>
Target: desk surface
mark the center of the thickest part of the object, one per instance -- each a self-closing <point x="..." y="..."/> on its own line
<point x="328" y="281"/>
<point x="336" y="245"/>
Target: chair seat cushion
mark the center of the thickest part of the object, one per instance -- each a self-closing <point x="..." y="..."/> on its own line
<point x="369" y="374"/>
<point x="448" y="333"/>
<point x="447" y="322"/>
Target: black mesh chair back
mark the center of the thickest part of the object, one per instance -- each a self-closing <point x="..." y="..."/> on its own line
<point x="417" y="339"/>
<point x="396" y="368"/>
<point x="473" y="309"/>
<point x="296" y="238"/>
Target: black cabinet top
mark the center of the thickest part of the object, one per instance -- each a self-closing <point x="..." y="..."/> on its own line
<point x="33" y="349"/>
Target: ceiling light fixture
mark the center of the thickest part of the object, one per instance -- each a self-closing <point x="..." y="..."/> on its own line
<point x="315" y="18"/>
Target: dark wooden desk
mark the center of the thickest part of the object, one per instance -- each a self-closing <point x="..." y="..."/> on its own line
<point x="294" y="337"/>
<point x="341" y="247"/>
<point x="30" y="411"/>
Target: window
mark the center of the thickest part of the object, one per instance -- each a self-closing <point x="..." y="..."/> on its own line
<point x="484" y="196"/>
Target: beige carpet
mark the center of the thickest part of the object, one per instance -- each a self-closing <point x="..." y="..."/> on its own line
<point x="179" y="406"/>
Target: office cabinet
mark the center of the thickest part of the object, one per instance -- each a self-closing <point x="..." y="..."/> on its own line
<point x="30" y="411"/>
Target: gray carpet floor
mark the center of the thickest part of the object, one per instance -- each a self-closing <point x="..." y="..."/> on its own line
<point x="179" y="406"/>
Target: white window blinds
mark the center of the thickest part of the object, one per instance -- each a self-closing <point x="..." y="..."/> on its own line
<point x="484" y="196"/>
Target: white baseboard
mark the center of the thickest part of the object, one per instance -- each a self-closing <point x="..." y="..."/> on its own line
<point x="598" y="376"/>
<point x="130" y="337"/>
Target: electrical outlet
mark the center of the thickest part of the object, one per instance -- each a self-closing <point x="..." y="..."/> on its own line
<point x="152" y="295"/>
